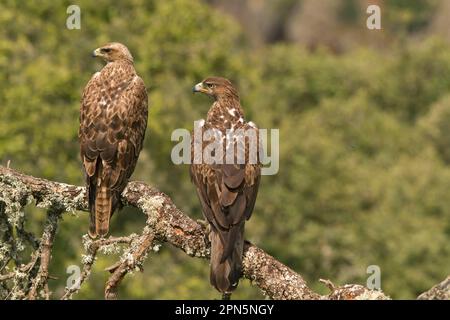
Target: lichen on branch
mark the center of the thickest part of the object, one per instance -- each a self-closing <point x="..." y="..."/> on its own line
<point x="165" y="223"/>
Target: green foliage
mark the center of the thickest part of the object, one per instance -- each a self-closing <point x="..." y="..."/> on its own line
<point x="414" y="80"/>
<point x="436" y="125"/>
<point x="410" y="16"/>
<point x="364" y="160"/>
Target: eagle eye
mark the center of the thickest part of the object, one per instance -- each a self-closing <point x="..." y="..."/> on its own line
<point x="210" y="85"/>
<point x="106" y="50"/>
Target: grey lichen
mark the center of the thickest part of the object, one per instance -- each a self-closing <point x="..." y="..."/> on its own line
<point x="71" y="205"/>
<point x="355" y="292"/>
<point x="440" y="291"/>
<point x="165" y="223"/>
<point x="87" y="259"/>
<point x="61" y="202"/>
<point x="189" y="251"/>
<point x="86" y="241"/>
<point x="14" y="197"/>
<point x="151" y="206"/>
<point x="109" y="249"/>
<point x="372" y="295"/>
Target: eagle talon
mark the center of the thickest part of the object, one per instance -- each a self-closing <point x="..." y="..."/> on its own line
<point x="202" y="222"/>
<point x="206" y="229"/>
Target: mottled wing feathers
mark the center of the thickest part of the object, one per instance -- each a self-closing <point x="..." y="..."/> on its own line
<point x="223" y="206"/>
<point x="126" y="134"/>
<point x="227" y="193"/>
<point x="113" y="119"/>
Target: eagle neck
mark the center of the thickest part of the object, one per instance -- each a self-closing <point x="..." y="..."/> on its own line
<point x="225" y="110"/>
<point x="123" y="64"/>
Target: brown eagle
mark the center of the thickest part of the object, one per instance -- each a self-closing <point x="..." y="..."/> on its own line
<point x="113" y="119"/>
<point x="227" y="191"/>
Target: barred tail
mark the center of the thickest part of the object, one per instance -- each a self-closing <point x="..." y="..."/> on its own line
<point x="103" y="209"/>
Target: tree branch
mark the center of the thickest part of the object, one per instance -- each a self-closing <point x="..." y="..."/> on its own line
<point x="45" y="249"/>
<point x="440" y="291"/>
<point x="165" y="223"/>
<point x="134" y="259"/>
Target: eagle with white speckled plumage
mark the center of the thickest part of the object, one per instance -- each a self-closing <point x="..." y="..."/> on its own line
<point x="113" y="120"/>
<point x="227" y="191"/>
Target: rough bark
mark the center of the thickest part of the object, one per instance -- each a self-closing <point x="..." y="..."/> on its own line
<point x="440" y="291"/>
<point x="165" y="224"/>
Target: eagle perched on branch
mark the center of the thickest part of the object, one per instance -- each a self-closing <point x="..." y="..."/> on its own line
<point x="227" y="191"/>
<point x="113" y="119"/>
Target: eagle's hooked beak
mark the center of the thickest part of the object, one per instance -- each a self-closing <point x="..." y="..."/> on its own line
<point x="199" y="88"/>
<point x="96" y="53"/>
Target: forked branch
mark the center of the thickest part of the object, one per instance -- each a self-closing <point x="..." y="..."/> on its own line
<point x="165" y="223"/>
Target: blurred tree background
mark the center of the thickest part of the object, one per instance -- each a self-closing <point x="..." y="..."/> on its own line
<point x="364" y="119"/>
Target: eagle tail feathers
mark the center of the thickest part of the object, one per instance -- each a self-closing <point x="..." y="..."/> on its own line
<point x="91" y="191"/>
<point x="103" y="208"/>
<point x="226" y="270"/>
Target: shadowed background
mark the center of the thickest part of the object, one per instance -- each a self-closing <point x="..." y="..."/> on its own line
<point x="364" y="119"/>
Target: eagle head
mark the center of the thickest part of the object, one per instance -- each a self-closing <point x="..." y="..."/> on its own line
<point x="113" y="51"/>
<point x="217" y="88"/>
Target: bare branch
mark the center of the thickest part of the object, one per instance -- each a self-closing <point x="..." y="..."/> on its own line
<point x="131" y="260"/>
<point x="92" y="247"/>
<point x="45" y="249"/>
<point x="440" y="291"/>
<point x="165" y="223"/>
